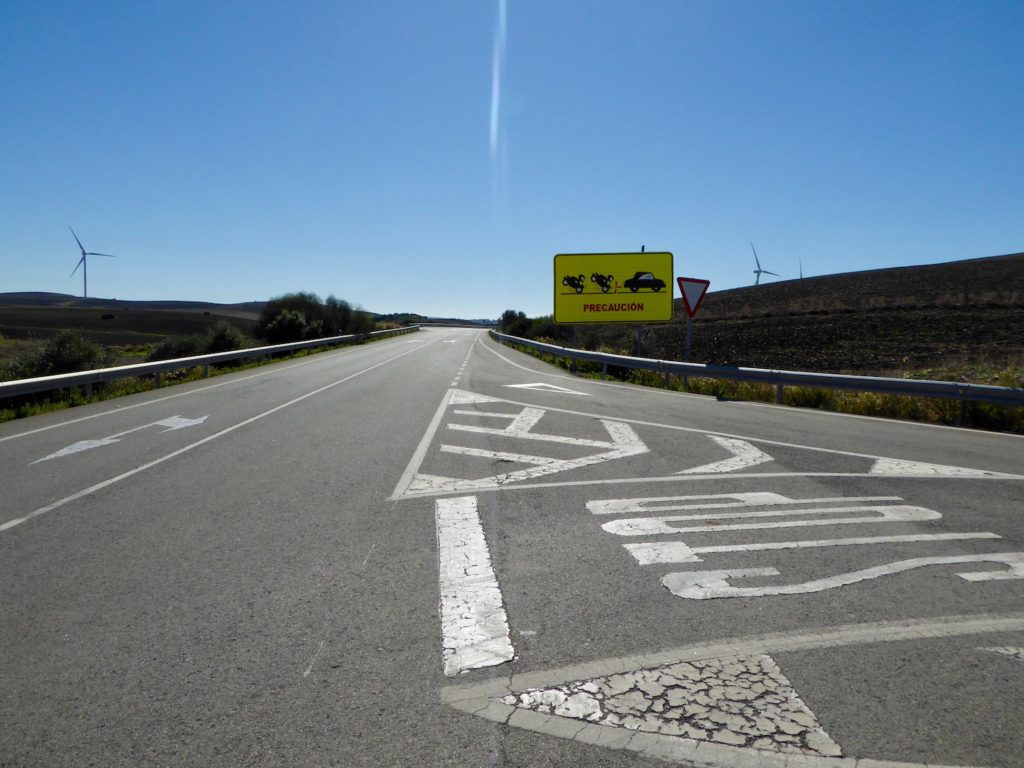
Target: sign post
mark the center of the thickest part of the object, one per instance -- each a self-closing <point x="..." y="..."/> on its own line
<point x="693" y="290"/>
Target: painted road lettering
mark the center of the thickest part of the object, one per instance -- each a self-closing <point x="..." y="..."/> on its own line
<point x="707" y="511"/>
<point x="703" y="585"/>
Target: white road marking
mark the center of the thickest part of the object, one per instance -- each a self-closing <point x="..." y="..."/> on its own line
<point x="462" y="397"/>
<point x="366" y="559"/>
<point x="541" y="387"/>
<point x="417" y="484"/>
<point x="486" y="699"/>
<point x="474" y="626"/>
<point x="650" y="553"/>
<point x="481" y="453"/>
<point x="656" y="392"/>
<point x="918" y="468"/>
<point x="713" y="501"/>
<point x="313" y="660"/>
<point x="624" y="442"/>
<point x="743" y="455"/>
<point x="1006" y="650"/>
<point x="149" y="465"/>
<point x="653" y="526"/>
<point x="172" y="424"/>
<point x="705" y="585"/>
<point x="421" y="450"/>
<point x="924" y="468"/>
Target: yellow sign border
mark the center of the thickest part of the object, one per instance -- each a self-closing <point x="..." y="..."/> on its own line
<point x="602" y="297"/>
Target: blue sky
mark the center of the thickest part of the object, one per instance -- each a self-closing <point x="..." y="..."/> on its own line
<point x="434" y="156"/>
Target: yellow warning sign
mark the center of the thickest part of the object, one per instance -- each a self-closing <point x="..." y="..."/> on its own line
<point x="613" y="287"/>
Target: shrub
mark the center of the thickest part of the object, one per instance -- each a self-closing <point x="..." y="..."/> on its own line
<point x="67" y="352"/>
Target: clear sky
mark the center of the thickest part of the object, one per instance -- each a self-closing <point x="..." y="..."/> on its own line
<point x="434" y="156"/>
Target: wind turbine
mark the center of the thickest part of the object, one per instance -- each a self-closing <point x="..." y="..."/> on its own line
<point x="83" y="263"/>
<point x="758" y="272"/>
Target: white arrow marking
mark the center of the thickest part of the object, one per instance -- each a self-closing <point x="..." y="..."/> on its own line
<point x="547" y="388"/>
<point x="172" y="423"/>
<point x="743" y="455"/>
<point x="180" y="422"/>
<point x="81" y="445"/>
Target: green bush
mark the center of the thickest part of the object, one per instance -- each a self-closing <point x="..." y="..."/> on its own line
<point x="67" y="352"/>
<point x="302" y="316"/>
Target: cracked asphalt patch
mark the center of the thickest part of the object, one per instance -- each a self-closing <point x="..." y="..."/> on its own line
<point x="740" y="701"/>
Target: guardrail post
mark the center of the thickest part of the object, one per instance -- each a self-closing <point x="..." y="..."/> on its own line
<point x="778" y="394"/>
<point x="604" y="371"/>
<point x="961" y="413"/>
<point x="158" y="378"/>
<point x="87" y="390"/>
<point x="206" y="371"/>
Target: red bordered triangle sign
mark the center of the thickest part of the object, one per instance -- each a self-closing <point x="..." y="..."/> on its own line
<point x="693" y="290"/>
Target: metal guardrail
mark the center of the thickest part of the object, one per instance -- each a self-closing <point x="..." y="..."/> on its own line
<point x="87" y="379"/>
<point x="949" y="390"/>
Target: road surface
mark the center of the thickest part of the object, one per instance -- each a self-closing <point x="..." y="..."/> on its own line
<point x="433" y="550"/>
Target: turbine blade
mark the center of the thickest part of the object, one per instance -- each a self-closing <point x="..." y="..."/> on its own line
<point x="755" y="255"/>
<point x="771" y="273"/>
<point x="108" y="255"/>
<point x="80" y="246"/>
<point x="77" y="266"/>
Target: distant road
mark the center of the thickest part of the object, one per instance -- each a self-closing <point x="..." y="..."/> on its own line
<point x="433" y="550"/>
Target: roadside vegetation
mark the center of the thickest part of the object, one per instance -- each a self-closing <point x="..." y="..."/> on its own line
<point x="928" y="410"/>
<point x="289" y="318"/>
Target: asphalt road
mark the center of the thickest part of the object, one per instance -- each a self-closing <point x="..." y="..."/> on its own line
<point x="433" y="550"/>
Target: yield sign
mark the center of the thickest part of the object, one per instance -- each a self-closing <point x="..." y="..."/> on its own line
<point x="693" y="290"/>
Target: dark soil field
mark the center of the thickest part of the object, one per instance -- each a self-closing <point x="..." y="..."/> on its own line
<point x="963" y="313"/>
<point x="115" y="323"/>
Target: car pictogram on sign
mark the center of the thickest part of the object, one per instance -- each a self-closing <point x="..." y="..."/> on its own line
<point x="644" y="280"/>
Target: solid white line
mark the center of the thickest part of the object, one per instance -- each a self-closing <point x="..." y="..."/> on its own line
<point x="474" y="627"/>
<point x="149" y="465"/>
<point x="421" y="450"/>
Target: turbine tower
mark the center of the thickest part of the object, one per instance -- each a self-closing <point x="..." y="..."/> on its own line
<point x="84" y="264"/>
<point x="758" y="272"/>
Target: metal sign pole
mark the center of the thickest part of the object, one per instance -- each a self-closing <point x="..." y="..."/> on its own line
<point x="689" y="338"/>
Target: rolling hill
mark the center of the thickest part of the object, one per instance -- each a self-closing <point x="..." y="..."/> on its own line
<point x="882" y="321"/>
